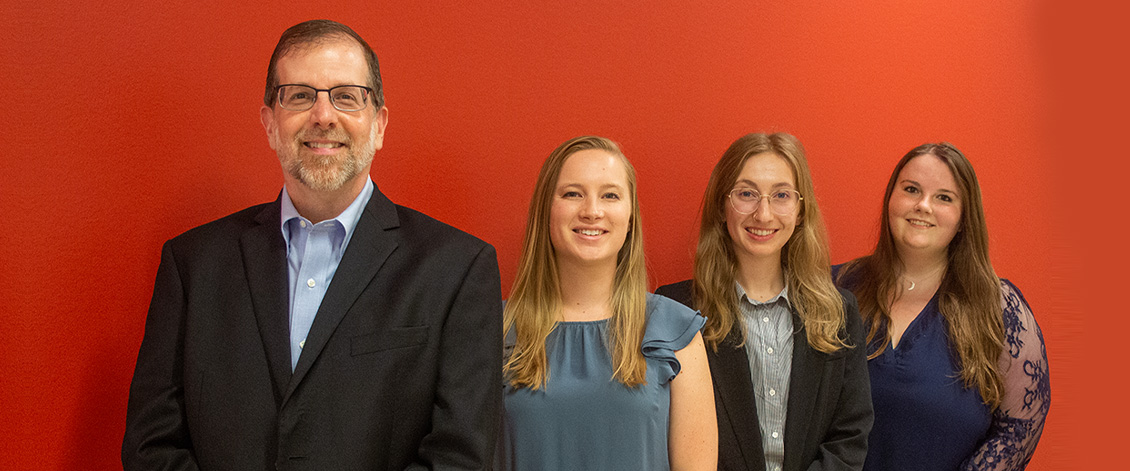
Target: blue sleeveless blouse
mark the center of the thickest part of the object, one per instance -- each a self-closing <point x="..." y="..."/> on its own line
<point x="583" y="418"/>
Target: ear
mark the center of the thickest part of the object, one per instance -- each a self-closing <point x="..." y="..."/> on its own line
<point x="267" y="117"/>
<point x="380" y="122"/>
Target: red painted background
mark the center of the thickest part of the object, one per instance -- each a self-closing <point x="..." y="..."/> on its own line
<point x="127" y="122"/>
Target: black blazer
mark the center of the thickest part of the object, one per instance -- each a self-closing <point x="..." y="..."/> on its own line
<point x="400" y="369"/>
<point x="829" y="411"/>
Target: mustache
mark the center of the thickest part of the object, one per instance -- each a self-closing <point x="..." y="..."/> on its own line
<point x="332" y="135"/>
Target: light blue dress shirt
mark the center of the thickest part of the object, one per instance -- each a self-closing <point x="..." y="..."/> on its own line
<point x="313" y="253"/>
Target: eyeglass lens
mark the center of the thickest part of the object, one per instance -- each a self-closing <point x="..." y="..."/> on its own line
<point x="747" y="200"/>
<point x="302" y="98"/>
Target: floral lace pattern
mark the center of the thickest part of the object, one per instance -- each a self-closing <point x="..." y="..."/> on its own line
<point x="1019" y="422"/>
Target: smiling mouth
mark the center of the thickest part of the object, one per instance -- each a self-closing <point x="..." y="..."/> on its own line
<point x="919" y="223"/>
<point x="322" y="145"/>
<point x="761" y="232"/>
<point x="589" y="232"/>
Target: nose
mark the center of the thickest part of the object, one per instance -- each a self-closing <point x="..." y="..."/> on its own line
<point x="323" y="112"/>
<point x="591" y="210"/>
<point x="923" y="205"/>
<point x="762" y="212"/>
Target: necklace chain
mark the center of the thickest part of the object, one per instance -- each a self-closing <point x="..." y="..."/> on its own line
<point x="912" y="284"/>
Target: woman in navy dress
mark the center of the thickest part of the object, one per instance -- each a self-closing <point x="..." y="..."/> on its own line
<point x="600" y="374"/>
<point x="785" y="347"/>
<point x="959" y="373"/>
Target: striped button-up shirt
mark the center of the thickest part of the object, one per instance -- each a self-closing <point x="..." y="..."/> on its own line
<point x="769" y="345"/>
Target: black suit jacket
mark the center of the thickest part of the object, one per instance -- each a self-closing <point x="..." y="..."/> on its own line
<point x="400" y="369"/>
<point x="829" y="411"/>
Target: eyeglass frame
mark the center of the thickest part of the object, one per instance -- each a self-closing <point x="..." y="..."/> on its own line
<point x="761" y="197"/>
<point x="329" y="93"/>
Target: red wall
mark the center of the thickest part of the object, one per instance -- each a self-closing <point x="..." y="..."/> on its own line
<point x="127" y="123"/>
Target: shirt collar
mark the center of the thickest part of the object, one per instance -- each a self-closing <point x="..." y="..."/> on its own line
<point x="348" y="218"/>
<point x="783" y="295"/>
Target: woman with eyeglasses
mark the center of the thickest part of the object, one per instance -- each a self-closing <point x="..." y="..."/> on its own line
<point x="600" y="374"/>
<point x="959" y="374"/>
<point x="783" y="344"/>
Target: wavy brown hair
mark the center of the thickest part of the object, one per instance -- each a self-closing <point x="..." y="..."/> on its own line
<point x="805" y="256"/>
<point x="535" y="299"/>
<point x="969" y="296"/>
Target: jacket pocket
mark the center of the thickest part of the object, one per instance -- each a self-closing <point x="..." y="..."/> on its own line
<point x="397" y="337"/>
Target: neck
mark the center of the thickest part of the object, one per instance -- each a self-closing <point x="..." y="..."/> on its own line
<point x="922" y="270"/>
<point x="918" y="265"/>
<point x="761" y="278"/>
<point x="586" y="290"/>
<point x="318" y="206"/>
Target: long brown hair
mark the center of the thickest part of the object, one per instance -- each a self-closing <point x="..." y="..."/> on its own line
<point x="969" y="296"/>
<point x="535" y="299"/>
<point x="805" y="256"/>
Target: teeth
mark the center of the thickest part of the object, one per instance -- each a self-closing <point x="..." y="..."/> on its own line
<point x="589" y="232"/>
<point x="322" y="145"/>
<point x="761" y="232"/>
<point x="919" y="223"/>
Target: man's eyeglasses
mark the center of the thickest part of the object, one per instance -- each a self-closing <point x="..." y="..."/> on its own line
<point x="295" y="97"/>
<point x="781" y="202"/>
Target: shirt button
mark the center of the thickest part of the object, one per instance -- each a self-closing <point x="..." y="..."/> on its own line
<point x="310" y="282"/>
<point x="770" y="350"/>
<point x="764" y="319"/>
<point x="302" y="344"/>
<point x="301" y="223"/>
<point x="773" y="392"/>
<point x="775" y="434"/>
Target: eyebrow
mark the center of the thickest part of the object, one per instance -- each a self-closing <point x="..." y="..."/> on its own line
<point x="605" y="186"/>
<point x="753" y="185"/>
<point x="940" y="190"/>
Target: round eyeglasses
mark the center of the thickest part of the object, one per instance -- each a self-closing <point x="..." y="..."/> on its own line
<point x="781" y="201"/>
<point x="296" y="97"/>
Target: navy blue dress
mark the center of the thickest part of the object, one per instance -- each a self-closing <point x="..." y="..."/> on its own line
<point x="583" y="418"/>
<point x="927" y="420"/>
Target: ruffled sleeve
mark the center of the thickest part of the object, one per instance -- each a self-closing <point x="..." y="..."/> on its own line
<point x="1016" y="426"/>
<point x="670" y="327"/>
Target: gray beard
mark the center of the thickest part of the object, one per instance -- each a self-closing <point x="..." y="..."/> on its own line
<point x="324" y="173"/>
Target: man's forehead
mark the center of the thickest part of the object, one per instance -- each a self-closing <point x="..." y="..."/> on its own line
<point x="325" y="64"/>
<point x="323" y="42"/>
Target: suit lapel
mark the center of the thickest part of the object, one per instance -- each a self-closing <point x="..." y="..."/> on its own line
<point x="264" y="261"/>
<point x="372" y="242"/>
<point x="804" y="385"/>
<point x="730" y="370"/>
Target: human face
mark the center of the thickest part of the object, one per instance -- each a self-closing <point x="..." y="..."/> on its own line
<point x="762" y="234"/>
<point x="323" y="149"/>
<point x="924" y="211"/>
<point x="591" y="210"/>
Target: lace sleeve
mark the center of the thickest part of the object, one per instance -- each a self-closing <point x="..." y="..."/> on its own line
<point x="1018" y="423"/>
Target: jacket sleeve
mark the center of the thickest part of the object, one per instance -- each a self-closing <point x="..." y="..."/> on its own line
<point x="156" y="435"/>
<point x="468" y="402"/>
<point x="845" y="443"/>
<point x="1019" y="421"/>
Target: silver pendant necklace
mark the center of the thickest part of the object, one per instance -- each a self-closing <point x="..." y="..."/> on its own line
<point x="912" y="284"/>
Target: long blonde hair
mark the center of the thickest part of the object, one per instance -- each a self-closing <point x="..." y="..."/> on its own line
<point x="969" y="296"/>
<point x="535" y="299"/>
<point x="805" y="255"/>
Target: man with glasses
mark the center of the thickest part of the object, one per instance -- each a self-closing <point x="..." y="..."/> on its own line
<point x="331" y="328"/>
